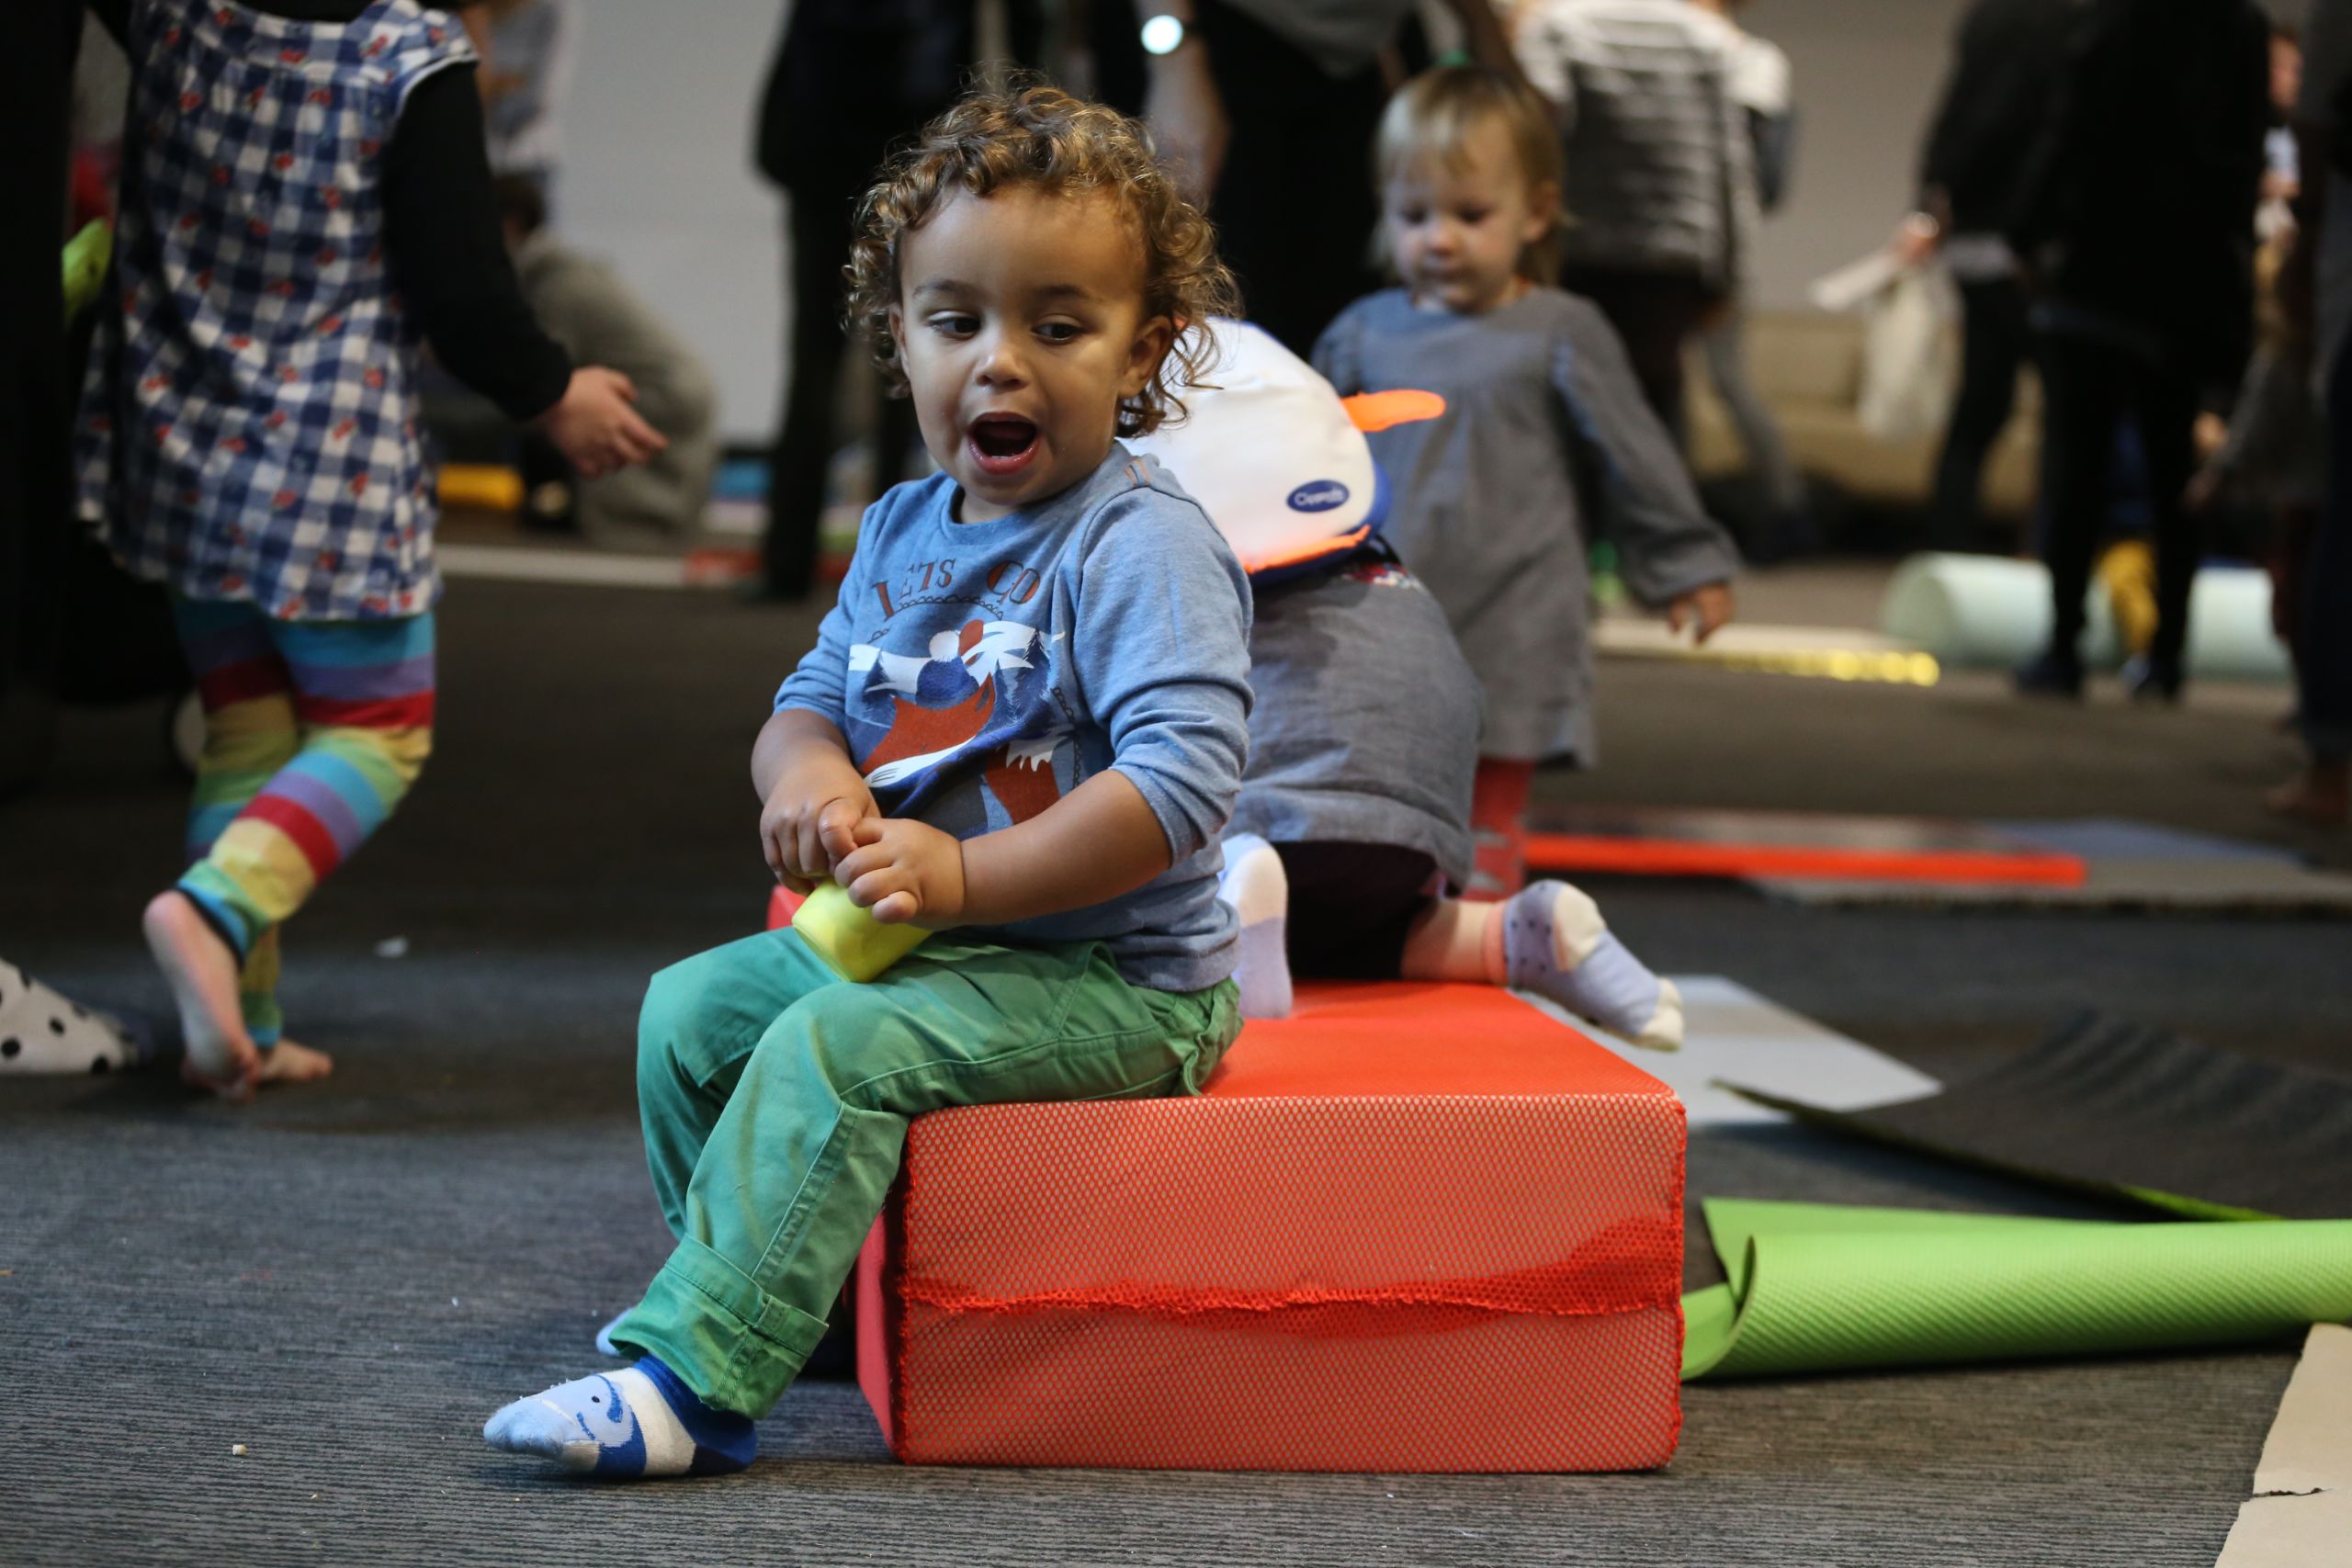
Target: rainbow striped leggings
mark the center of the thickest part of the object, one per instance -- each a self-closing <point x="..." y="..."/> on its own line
<point x="313" y="731"/>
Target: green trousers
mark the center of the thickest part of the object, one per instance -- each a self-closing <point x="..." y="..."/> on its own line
<point x="775" y="1097"/>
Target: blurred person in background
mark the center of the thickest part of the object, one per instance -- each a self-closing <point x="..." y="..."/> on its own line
<point x="2135" y="226"/>
<point x="600" y="320"/>
<point x="1760" y="86"/>
<point x="850" y="77"/>
<point x="1660" y="187"/>
<point x="2006" y="63"/>
<point x="2318" y="289"/>
<point x="526" y="70"/>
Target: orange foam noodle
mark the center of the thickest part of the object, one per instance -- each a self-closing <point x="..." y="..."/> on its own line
<point x="1409" y="1228"/>
<point x="1572" y="853"/>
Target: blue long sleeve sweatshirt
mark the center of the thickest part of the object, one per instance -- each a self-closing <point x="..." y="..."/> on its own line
<point x="982" y="670"/>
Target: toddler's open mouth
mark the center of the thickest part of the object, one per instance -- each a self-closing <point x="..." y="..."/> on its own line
<point x="1003" y="443"/>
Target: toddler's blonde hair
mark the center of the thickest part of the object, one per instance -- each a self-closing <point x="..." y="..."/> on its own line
<point x="1433" y="115"/>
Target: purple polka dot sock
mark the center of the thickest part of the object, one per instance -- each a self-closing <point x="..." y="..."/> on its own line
<point x="1253" y="883"/>
<point x="1555" y="944"/>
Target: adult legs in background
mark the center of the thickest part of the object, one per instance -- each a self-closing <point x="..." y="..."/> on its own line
<point x="1788" y="529"/>
<point x="1295" y="208"/>
<point x="1656" y="314"/>
<point x="2294" y="533"/>
<point x="37" y="525"/>
<point x="1995" y="341"/>
<point x="2084" y="397"/>
<point x="2164" y="406"/>
<point x="2322" y="793"/>
<point x="2091" y="387"/>
<point x="818" y="231"/>
<point x="314" y="733"/>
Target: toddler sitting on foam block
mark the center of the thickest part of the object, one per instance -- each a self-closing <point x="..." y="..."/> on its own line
<point x="1354" y="814"/>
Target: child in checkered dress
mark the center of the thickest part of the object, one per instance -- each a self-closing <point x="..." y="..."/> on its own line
<point x="305" y="197"/>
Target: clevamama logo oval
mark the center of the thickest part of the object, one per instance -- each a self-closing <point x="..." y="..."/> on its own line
<point x="1318" y="495"/>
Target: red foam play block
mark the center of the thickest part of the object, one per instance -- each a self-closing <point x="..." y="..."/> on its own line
<point x="1655" y="841"/>
<point x="1411" y="1227"/>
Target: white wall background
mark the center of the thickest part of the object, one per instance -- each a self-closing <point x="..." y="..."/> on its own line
<point x="657" y="173"/>
<point x="658" y="178"/>
<point x="1867" y="75"/>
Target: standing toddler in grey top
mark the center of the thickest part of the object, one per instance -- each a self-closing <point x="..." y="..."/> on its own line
<point x="1541" y="417"/>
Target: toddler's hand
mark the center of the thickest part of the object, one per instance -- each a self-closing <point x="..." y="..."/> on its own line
<point x="807" y="825"/>
<point x="594" y="426"/>
<point x="905" y="870"/>
<point x="1708" y="608"/>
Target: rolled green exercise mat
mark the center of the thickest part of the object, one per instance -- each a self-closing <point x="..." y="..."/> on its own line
<point x="1818" y="1286"/>
<point x="1991" y="613"/>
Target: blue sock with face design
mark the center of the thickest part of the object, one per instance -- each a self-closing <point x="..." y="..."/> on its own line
<point x="635" y="1424"/>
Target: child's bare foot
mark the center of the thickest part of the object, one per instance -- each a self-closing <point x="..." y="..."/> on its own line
<point x="287" y="1063"/>
<point x="2321" y="796"/>
<point x="202" y="972"/>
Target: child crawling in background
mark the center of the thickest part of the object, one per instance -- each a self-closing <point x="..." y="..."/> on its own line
<point x="1354" y="821"/>
<point x="1542" y="420"/>
<point x="1022" y="725"/>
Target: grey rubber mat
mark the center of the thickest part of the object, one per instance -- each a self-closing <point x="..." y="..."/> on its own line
<point x="2203" y="883"/>
<point x="2121" y="1111"/>
<point x="2118" y="838"/>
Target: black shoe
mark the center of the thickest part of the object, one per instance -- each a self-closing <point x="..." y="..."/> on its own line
<point x="2054" y="674"/>
<point x="2151" y="679"/>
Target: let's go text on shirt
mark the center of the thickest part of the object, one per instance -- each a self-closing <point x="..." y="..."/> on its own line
<point x="979" y="672"/>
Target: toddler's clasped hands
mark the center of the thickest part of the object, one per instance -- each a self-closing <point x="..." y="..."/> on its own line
<point x="820" y="825"/>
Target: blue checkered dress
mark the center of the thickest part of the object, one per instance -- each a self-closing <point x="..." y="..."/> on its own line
<point x="248" y="423"/>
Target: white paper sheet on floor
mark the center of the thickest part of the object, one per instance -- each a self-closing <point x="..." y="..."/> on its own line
<point x="1731" y="1032"/>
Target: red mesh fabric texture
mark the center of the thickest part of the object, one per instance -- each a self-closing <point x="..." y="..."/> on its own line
<point x="1409" y="1228"/>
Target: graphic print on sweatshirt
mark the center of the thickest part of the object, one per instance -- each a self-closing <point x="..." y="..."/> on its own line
<point x="950" y="684"/>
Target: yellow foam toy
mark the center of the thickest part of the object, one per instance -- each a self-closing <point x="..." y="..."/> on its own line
<point x="484" y="487"/>
<point x="850" y="940"/>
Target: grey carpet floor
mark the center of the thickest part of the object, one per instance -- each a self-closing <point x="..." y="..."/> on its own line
<point x="345" y="1280"/>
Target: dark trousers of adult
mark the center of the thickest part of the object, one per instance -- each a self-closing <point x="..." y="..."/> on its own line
<point x="2324" y="668"/>
<point x="2090" y="387"/>
<point x="1995" y="344"/>
<point x="818" y="228"/>
<point x="1657" y="314"/>
<point x="36" y="404"/>
<point x="1295" y="206"/>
